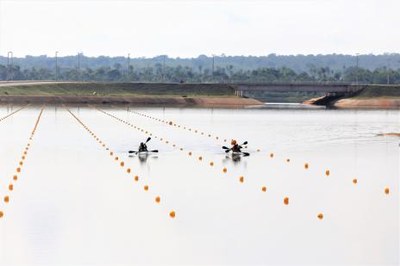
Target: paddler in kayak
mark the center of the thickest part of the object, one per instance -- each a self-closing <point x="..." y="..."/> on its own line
<point x="236" y="148"/>
<point x="142" y="147"/>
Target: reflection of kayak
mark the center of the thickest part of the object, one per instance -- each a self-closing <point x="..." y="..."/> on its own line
<point x="244" y="154"/>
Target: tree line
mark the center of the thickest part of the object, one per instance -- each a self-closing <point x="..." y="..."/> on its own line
<point x="228" y="74"/>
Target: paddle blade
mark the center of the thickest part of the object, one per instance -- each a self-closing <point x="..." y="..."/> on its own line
<point x="148" y="139"/>
<point x="244" y="143"/>
<point x="225" y="148"/>
<point x="154" y="151"/>
<point x="246" y="154"/>
<point x="131" y="151"/>
<point x="228" y="150"/>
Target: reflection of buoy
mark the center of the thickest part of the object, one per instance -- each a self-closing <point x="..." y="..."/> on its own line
<point x="306" y="165"/>
<point x="264" y="189"/>
<point x="355" y="181"/>
<point x="241" y="179"/>
<point x="136" y="178"/>
<point x="327" y="172"/>
<point x="172" y="214"/>
<point x="158" y="199"/>
<point x="146" y="187"/>
<point x="320" y="216"/>
<point x="387" y="191"/>
<point x="10" y="187"/>
<point x="6" y="199"/>
<point x="224" y="170"/>
<point x="286" y="201"/>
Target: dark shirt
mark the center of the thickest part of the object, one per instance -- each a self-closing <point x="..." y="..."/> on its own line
<point x="142" y="147"/>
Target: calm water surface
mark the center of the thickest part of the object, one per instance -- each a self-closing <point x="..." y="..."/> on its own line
<point x="73" y="203"/>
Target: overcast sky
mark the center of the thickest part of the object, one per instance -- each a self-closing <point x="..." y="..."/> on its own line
<point x="191" y="28"/>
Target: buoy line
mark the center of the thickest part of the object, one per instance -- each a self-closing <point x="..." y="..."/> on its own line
<point x="111" y="153"/>
<point x="183" y="127"/>
<point x="18" y="170"/>
<point x="12" y="113"/>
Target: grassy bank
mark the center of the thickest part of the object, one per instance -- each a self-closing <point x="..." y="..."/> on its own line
<point x="373" y="91"/>
<point x="117" y="89"/>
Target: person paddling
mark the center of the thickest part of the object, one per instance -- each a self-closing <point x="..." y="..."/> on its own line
<point x="235" y="147"/>
<point x="142" y="147"/>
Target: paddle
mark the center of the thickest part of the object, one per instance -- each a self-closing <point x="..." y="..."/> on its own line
<point x="138" y="152"/>
<point x="229" y="149"/>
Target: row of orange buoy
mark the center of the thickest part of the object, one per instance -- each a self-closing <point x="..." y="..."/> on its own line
<point x="12" y="113"/>
<point x="11" y="185"/>
<point x="116" y="158"/>
<point x="171" y="123"/>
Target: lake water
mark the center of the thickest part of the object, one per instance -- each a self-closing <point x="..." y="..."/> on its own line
<point x="74" y="204"/>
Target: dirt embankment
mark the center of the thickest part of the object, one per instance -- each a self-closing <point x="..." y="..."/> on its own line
<point x="373" y="103"/>
<point x="155" y="94"/>
<point x="135" y="100"/>
<point x="371" y="97"/>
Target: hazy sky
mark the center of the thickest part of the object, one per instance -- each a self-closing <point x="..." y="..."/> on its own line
<point x="190" y="28"/>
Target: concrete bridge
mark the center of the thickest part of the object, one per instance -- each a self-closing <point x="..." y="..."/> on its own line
<point x="330" y="89"/>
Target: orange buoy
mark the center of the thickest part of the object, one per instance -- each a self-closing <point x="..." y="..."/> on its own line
<point x="264" y="189"/>
<point x="387" y="191"/>
<point x="258" y="150"/>
<point x="111" y="153"/>
<point x="172" y="214"/>
<point x="271" y="155"/>
<point x="15" y="177"/>
<point x="18" y="169"/>
<point x="128" y="170"/>
<point x="170" y="123"/>
<point x="23" y="157"/>
<point x="200" y="158"/>
<point x="241" y="179"/>
<point x="224" y="170"/>
<point x="122" y="164"/>
<point x="286" y="201"/>
<point x="6" y="199"/>
<point x="1" y="214"/>
<point x="355" y="181"/>
<point x="136" y="178"/>
<point x="190" y="153"/>
<point x="320" y="216"/>
<point x="211" y="163"/>
<point x="116" y="158"/>
<point x="146" y="187"/>
<point x="10" y="187"/>
<point x="327" y="172"/>
<point x="158" y="199"/>
<point x="306" y="165"/>
<point x="21" y="163"/>
<point x="287" y="160"/>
